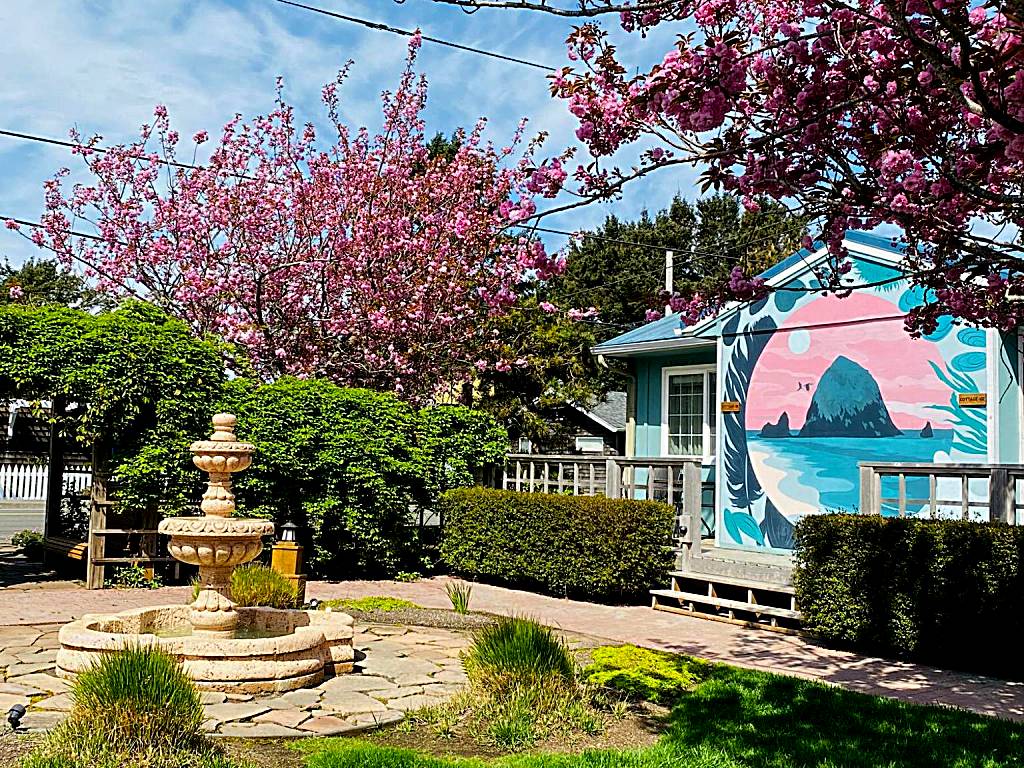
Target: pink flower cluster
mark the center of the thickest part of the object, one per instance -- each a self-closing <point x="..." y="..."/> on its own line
<point x="364" y="260"/>
<point x="862" y="112"/>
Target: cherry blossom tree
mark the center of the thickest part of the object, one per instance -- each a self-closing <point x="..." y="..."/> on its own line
<point x="856" y="112"/>
<point x="366" y="259"/>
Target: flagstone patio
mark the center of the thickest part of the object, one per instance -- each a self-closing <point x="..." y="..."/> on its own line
<point x="399" y="669"/>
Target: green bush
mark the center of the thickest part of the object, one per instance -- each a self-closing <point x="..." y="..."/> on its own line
<point x="458" y="445"/>
<point x="132" y="708"/>
<point x="642" y="673"/>
<point x="256" y="585"/>
<point x="348" y="465"/>
<point x="587" y="546"/>
<point x="937" y="591"/>
<point x="518" y="648"/>
<point x="29" y="542"/>
<point x="133" y="576"/>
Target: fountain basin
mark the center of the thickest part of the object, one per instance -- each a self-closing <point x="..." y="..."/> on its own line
<point x="276" y="650"/>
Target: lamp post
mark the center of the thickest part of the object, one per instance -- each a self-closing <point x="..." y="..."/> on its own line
<point x="286" y="559"/>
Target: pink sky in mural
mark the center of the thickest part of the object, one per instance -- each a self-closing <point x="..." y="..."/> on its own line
<point x="798" y="354"/>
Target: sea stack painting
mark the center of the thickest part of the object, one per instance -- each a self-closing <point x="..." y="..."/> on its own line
<point x="827" y="383"/>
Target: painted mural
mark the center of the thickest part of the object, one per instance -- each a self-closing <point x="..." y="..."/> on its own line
<point x="826" y="383"/>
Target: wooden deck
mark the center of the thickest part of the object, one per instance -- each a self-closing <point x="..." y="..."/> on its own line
<point x="731" y="585"/>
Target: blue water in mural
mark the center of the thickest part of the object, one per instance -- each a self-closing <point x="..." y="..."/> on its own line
<point x="827" y="466"/>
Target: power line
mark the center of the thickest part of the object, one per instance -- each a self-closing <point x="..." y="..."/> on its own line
<point x="379" y="27"/>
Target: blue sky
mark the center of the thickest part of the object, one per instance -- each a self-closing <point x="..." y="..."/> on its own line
<point x="102" y="65"/>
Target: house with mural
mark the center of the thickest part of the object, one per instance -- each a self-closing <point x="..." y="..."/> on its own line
<point x="785" y="400"/>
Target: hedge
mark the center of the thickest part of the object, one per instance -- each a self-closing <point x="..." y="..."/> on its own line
<point x="581" y="546"/>
<point x="945" y="592"/>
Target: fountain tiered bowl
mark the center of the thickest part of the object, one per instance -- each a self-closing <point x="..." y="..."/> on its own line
<point x="221" y="646"/>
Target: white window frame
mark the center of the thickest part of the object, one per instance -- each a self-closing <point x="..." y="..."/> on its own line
<point x="709" y="401"/>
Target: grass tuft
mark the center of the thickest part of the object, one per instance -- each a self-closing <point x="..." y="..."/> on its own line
<point x="256" y="585"/>
<point x="132" y="708"/>
<point x="459" y="593"/>
<point x="520" y="648"/>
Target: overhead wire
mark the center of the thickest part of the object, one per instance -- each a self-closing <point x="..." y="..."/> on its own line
<point x="381" y="27"/>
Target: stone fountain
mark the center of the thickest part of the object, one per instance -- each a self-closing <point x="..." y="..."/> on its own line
<point x="222" y="646"/>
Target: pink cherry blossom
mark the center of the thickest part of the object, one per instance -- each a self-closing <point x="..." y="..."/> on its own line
<point x="361" y="259"/>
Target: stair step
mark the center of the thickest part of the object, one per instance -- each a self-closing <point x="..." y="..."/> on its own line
<point x="720" y="602"/>
<point x="735" y="581"/>
<point x="713" y="569"/>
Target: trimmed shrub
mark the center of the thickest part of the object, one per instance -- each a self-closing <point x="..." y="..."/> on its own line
<point x="938" y="591"/>
<point x="587" y="546"/>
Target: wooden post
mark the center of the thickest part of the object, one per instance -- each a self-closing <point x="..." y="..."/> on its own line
<point x="691" y="496"/>
<point x="611" y="479"/>
<point x="99" y="503"/>
<point x="54" y="470"/>
<point x="1001" y="497"/>
<point x="869" y="504"/>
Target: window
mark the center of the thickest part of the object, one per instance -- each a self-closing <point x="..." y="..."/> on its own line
<point x="688" y="411"/>
<point x="589" y="444"/>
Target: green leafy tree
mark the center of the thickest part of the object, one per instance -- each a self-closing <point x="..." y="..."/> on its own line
<point x="548" y="363"/>
<point x="133" y="379"/>
<point x="45" y="282"/>
<point x="708" y="238"/>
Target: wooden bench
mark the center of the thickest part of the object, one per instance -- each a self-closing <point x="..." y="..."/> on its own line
<point x="74" y="549"/>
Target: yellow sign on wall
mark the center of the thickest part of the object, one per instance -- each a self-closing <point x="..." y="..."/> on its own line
<point x="730" y="406"/>
<point x="972" y="399"/>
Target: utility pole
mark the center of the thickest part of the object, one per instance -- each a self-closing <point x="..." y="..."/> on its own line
<point x="669" y="258"/>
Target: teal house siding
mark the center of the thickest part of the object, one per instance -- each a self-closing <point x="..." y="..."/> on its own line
<point x="823" y="383"/>
<point x="648" y="393"/>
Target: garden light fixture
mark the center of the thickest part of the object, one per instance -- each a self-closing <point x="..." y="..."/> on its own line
<point x="14" y="715"/>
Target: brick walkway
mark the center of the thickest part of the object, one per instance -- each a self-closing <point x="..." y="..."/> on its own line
<point x="751" y="648"/>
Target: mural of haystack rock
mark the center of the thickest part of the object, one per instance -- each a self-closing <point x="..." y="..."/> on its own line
<point x="827" y="383"/>
<point x="846" y="403"/>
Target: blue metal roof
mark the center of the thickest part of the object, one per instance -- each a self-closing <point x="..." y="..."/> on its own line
<point x="666" y="328"/>
<point x="657" y="330"/>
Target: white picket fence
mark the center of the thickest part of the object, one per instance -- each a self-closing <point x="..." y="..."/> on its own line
<point x="24" y="479"/>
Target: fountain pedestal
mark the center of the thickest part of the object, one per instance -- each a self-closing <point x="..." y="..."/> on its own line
<point x="220" y="646"/>
<point x="217" y="542"/>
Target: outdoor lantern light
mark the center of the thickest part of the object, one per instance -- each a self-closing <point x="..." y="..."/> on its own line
<point x="14" y="715"/>
<point x="288" y="531"/>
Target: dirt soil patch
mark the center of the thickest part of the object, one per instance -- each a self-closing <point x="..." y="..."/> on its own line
<point x="439" y="618"/>
<point x="639" y="728"/>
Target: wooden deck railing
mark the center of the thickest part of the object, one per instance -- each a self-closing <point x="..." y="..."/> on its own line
<point x="978" y="492"/>
<point x="674" y="481"/>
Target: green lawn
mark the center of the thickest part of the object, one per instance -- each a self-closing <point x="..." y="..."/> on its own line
<point x="750" y="719"/>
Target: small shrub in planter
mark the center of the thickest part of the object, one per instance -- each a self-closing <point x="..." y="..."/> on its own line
<point x="587" y="546"/>
<point x="256" y="585"/>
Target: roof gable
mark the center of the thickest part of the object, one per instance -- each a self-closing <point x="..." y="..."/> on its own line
<point x="885" y="251"/>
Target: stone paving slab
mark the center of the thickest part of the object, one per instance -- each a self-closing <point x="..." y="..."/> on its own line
<point x="344" y="704"/>
<point x="732" y="644"/>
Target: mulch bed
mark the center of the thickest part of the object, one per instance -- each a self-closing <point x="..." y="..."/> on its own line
<point x="438" y="618"/>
